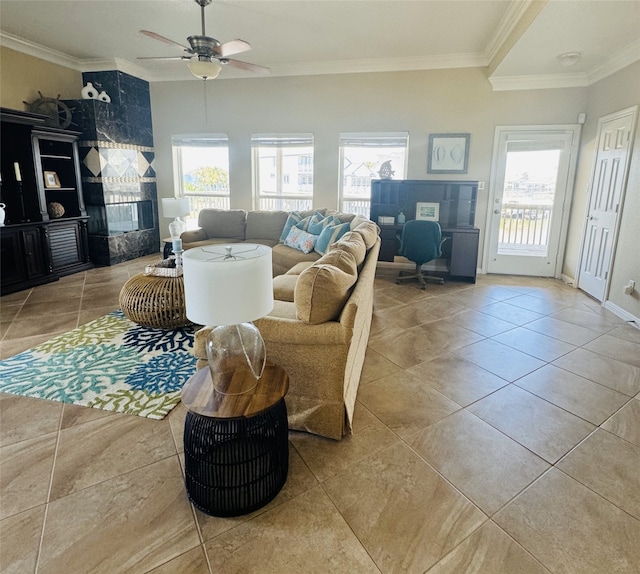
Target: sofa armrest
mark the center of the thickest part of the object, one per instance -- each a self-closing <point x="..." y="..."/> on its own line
<point x="193" y="235"/>
<point x="296" y="332"/>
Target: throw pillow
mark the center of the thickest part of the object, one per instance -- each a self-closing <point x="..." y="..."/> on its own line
<point x="316" y="226"/>
<point x="343" y="260"/>
<point x="321" y="292"/>
<point x="369" y="231"/>
<point x="294" y="217"/>
<point x="330" y="235"/>
<point x="353" y="243"/>
<point x="301" y="240"/>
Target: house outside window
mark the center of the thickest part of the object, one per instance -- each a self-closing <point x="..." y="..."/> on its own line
<point x="282" y="171"/>
<point x="201" y="172"/>
<point x="367" y="156"/>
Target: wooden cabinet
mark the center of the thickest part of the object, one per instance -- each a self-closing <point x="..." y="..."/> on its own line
<point x="45" y="232"/>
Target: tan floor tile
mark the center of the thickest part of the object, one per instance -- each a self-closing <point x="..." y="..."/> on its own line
<point x="405" y="404"/>
<point x="626" y="422"/>
<point x="569" y="528"/>
<point x="489" y="551"/>
<point x="609" y="372"/>
<point x="20" y="541"/>
<point x="107" y="447"/>
<point x="43" y="311"/>
<point x="299" y="480"/>
<point x="484" y="464"/>
<point x="510" y="313"/>
<point x="439" y="307"/>
<point x="106" y="528"/>
<point x="73" y="415"/>
<point x="16" y="298"/>
<point x="9" y="311"/>
<point x="468" y="298"/>
<point x="48" y="324"/>
<point x="543" y="428"/>
<point x="609" y="466"/>
<point x="534" y="344"/>
<point x="306" y="534"/>
<point x="326" y="457"/>
<point x="616" y="348"/>
<point x="396" y="492"/>
<point x="457" y="379"/>
<point x="89" y="315"/>
<point x="582" y="397"/>
<point x="26" y="473"/>
<point x="405" y="317"/>
<point x="481" y="323"/>
<point x="55" y="292"/>
<point x="495" y="292"/>
<point x="376" y="366"/>
<point x="509" y="364"/>
<point x="537" y="304"/>
<point x="589" y="319"/>
<point x="23" y="418"/>
<point x="11" y="347"/>
<point x="176" y="420"/>
<point x="563" y="330"/>
<point x="100" y="296"/>
<point x="626" y="332"/>
<point x="191" y="562"/>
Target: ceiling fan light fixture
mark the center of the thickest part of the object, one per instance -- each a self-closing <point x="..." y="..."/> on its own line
<point x="569" y="59"/>
<point x="204" y="69"/>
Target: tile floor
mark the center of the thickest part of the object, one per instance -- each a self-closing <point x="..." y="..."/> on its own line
<point x="497" y="431"/>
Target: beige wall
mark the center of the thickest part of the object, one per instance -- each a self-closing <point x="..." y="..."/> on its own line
<point x="616" y="92"/>
<point x="22" y="76"/>
<point x="420" y="102"/>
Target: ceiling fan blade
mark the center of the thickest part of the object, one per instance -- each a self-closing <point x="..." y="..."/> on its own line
<point x="164" y="40"/>
<point x="232" y="47"/>
<point x="181" y="58"/>
<point x="245" y="66"/>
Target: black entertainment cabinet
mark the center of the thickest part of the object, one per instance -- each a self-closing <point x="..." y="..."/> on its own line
<point x="457" y="207"/>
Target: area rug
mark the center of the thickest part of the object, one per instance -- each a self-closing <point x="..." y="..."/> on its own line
<point x="110" y="363"/>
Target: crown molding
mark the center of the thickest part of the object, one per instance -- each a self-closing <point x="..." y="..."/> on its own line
<point x="507" y="25"/>
<point x="617" y="62"/>
<point x="539" y="82"/>
<point x="36" y="50"/>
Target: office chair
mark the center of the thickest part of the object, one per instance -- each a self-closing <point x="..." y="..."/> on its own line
<point x="421" y="242"/>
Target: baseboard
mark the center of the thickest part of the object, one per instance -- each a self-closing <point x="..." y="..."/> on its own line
<point x="567" y="280"/>
<point x="620" y="312"/>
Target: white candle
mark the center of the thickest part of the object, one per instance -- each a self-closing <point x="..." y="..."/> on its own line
<point x="176" y="244"/>
<point x="16" y="168"/>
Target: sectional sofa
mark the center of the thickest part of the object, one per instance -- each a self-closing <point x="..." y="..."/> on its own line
<point x="319" y="327"/>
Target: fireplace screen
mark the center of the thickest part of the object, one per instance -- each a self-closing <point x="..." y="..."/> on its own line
<point x="118" y="218"/>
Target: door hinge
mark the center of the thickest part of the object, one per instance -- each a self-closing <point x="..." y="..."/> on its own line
<point x="606" y="274"/>
<point x="617" y="206"/>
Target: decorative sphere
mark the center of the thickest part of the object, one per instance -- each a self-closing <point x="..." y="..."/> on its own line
<point x="55" y="209"/>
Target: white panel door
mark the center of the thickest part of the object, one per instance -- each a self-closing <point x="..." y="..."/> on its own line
<point x="532" y="179"/>
<point x="607" y="188"/>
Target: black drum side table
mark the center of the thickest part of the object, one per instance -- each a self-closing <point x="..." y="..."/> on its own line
<point x="236" y="446"/>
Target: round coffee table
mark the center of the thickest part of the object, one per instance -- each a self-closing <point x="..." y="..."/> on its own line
<point x="236" y="446"/>
<point x="156" y="302"/>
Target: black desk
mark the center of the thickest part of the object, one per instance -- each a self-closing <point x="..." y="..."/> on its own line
<point x="459" y="251"/>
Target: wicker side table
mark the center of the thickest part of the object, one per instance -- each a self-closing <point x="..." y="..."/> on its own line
<point x="156" y="302"/>
<point x="236" y="447"/>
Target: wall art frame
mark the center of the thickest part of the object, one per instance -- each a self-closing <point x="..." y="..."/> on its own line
<point x="428" y="211"/>
<point x="51" y="180"/>
<point x="448" y="153"/>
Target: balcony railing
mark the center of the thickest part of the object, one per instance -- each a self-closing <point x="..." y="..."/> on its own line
<point x="357" y="206"/>
<point x="524" y="227"/>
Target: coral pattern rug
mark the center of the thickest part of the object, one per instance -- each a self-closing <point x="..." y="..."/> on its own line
<point x="110" y="363"/>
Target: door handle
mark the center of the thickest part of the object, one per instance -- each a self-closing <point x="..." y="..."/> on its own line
<point x="496" y="211"/>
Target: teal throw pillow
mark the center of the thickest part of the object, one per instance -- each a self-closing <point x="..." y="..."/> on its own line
<point x="294" y="217"/>
<point x="301" y="240"/>
<point x="316" y="227"/>
<point x="330" y="235"/>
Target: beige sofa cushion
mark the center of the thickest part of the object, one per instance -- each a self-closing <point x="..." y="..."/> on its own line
<point x="265" y="225"/>
<point x="369" y="231"/>
<point x="223" y="223"/>
<point x="343" y="260"/>
<point x="284" y="287"/>
<point x="321" y="292"/>
<point x="300" y="267"/>
<point x="352" y="242"/>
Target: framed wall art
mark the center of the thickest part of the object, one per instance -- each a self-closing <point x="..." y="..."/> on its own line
<point x="428" y="211"/>
<point x="51" y="179"/>
<point x="448" y="153"/>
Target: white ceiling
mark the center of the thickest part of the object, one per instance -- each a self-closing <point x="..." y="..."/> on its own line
<point x="516" y="41"/>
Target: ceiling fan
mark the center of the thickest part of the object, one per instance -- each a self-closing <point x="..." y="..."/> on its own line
<point x="206" y="55"/>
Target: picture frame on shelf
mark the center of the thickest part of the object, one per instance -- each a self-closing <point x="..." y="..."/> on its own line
<point x="448" y="153"/>
<point x="427" y="211"/>
<point x="51" y="180"/>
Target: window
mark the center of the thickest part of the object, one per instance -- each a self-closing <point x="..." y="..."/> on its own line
<point x="367" y="156"/>
<point x="201" y="168"/>
<point x="283" y="171"/>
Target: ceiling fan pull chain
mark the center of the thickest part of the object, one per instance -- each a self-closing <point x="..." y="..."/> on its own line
<point x="206" y="112"/>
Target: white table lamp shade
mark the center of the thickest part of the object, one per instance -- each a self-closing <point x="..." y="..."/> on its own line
<point x="223" y="290"/>
<point x="175" y="206"/>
